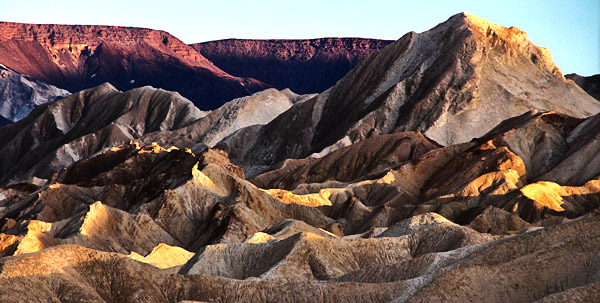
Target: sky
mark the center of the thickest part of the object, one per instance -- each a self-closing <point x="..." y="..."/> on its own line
<point x="570" y="29"/>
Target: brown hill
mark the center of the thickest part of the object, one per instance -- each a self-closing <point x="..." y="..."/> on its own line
<point x="59" y="133"/>
<point x="557" y="264"/>
<point x="91" y="121"/>
<point x="453" y="83"/>
<point x="304" y="66"/>
<point x="77" y="57"/>
<point x="374" y="239"/>
<point x="361" y="160"/>
<point x="151" y="196"/>
<point x="384" y="215"/>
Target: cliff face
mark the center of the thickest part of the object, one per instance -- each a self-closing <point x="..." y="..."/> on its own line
<point x="77" y="57"/>
<point x="304" y="66"/>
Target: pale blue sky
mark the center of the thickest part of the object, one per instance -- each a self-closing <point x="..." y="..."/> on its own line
<point x="569" y="29"/>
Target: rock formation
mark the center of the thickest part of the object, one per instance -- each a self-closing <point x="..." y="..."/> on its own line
<point x="304" y="66"/>
<point x="77" y="57"/>
<point x="396" y="211"/>
<point x="94" y="120"/>
<point x="590" y="85"/>
<point x="59" y="133"/>
<point x="251" y="111"/>
<point x="453" y="82"/>
<point x="367" y="158"/>
<point x="19" y="94"/>
<point x="242" y="252"/>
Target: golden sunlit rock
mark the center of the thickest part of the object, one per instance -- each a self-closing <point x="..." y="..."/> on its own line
<point x="454" y="165"/>
<point x="545" y="194"/>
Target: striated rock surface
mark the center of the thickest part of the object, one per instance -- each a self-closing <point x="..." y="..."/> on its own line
<point x="511" y="215"/>
<point x="97" y="119"/>
<point x="77" y="57"/>
<point x="20" y="94"/>
<point x="304" y="66"/>
<point x="454" y="82"/>
<point x="251" y="111"/>
<point x="251" y="243"/>
<point x="370" y="157"/>
<point x="495" y="271"/>
<point x="131" y="199"/>
<point x="59" y="133"/>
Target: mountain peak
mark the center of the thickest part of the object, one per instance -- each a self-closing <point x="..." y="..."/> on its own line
<point x="454" y="83"/>
<point x="511" y="39"/>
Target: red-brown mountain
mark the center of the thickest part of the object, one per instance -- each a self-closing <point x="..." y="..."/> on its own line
<point x="77" y="57"/>
<point x="304" y="66"/>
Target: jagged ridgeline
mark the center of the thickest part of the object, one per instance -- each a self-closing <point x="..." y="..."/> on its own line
<point x="452" y="165"/>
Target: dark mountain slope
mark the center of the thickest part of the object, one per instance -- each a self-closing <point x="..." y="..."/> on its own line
<point x="304" y="66"/>
<point x="590" y="85"/>
<point x="59" y="133"/>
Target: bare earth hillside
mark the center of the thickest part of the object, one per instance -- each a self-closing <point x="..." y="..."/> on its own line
<point x="454" y="165"/>
<point x="76" y="57"/>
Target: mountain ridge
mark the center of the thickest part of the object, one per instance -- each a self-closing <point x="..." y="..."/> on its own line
<point x="487" y="74"/>
<point x="302" y="65"/>
<point x="59" y="133"/>
<point x="453" y="165"/>
<point x="78" y="57"/>
<point x="590" y="84"/>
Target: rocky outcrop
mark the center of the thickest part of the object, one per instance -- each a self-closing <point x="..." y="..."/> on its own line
<point x="20" y="94"/>
<point x="510" y="215"/>
<point x="561" y="149"/>
<point x="57" y="134"/>
<point x="488" y="183"/>
<point x="165" y="256"/>
<point x="365" y="159"/>
<point x="268" y="240"/>
<point x="77" y="57"/>
<point x="97" y="119"/>
<point x="454" y="82"/>
<point x="590" y="85"/>
<point x="304" y="66"/>
<point x="133" y="198"/>
<point x="546" y="265"/>
<point x="306" y="256"/>
<point x="251" y="111"/>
